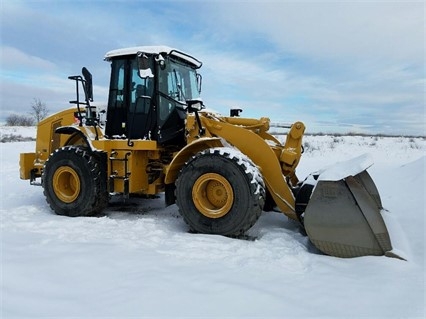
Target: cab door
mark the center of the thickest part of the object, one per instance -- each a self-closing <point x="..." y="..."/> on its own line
<point x="131" y="111"/>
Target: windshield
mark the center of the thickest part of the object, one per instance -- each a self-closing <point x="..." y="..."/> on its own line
<point x="179" y="81"/>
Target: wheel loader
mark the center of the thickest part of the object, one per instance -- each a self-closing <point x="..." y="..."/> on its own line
<point x="157" y="136"/>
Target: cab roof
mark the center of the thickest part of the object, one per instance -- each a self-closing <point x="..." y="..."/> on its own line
<point x="153" y="49"/>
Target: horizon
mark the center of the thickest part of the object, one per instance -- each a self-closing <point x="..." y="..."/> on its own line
<point x="275" y="133"/>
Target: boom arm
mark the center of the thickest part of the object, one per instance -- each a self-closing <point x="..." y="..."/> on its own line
<point x="276" y="162"/>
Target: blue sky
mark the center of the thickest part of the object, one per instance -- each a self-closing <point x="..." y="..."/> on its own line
<point x="339" y="66"/>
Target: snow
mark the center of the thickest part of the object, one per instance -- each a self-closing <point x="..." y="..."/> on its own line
<point x="352" y="167"/>
<point x="153" y="49"/>
<point x="150" y="49"/>
<point x="140" y="261"/>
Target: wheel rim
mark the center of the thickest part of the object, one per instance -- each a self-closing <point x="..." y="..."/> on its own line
<point x="66" y="184"/>
<point x="212" y="195"/>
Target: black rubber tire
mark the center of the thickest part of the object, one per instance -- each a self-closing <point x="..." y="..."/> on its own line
<point x="103" y="195"/>
<point x="269" y="202"/>
<point x="74" y="165"/>
<point x="248" y="191"/>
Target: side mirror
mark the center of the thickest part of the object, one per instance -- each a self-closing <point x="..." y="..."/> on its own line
<point x="144" y="66"/>
<point x="235" y="112"/>
<point x="88" y="86"/>
<point x="194" y="105"/>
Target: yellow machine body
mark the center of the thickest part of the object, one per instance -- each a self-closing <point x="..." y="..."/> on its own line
<point x="221" y="171"/>
<point x="135" y="163"/>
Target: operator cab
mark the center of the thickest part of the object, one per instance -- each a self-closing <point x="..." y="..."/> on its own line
<point x="150" y="91"/>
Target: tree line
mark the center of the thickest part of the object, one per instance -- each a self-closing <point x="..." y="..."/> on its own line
<point x="38" y="112"/>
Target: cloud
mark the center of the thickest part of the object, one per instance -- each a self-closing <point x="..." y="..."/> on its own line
<point x="348" y="62"/>
<point x="329" y="29"/>
<point x="25" y="77"/>
<point x="331" y="63"/>
<point x="12" y="59"/>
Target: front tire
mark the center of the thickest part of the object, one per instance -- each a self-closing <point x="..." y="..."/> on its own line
<point x="73" y="182"/>
<point x="220" y="191"/>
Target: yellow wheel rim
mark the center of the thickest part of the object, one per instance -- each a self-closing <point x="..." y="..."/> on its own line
<point x="66" y="184"/>
<point x="212" y="195"/>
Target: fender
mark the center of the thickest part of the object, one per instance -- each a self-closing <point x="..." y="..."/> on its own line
<point x="79" y="135"/>
<point x="185" y="153"/>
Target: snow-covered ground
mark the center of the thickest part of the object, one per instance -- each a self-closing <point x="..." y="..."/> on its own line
<point x="140" y="261"/>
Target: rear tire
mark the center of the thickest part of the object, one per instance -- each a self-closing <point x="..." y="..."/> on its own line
<point x="73" y="182"/>
<point x="220" y="191"/>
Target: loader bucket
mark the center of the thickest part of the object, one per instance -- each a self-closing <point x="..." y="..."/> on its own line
<point x="343" y="216"/>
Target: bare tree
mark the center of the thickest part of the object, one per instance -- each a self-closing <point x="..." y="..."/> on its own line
<point x="39" y="110"/>
<point x="19" y="120"/>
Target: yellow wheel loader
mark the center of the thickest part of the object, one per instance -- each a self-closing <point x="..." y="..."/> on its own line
<point x="221" y="171"/>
